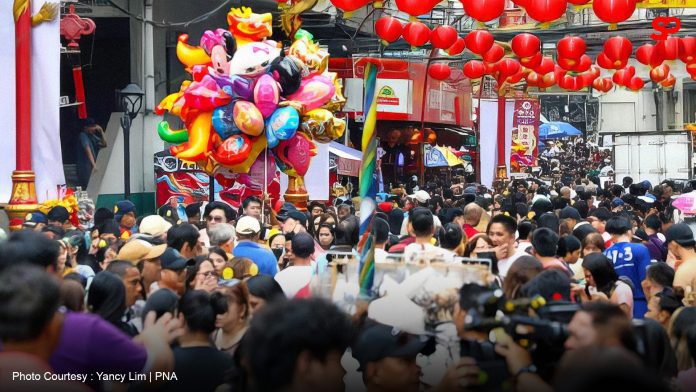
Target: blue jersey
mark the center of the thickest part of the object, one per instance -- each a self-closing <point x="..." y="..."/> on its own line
<point x="632" y="261"/>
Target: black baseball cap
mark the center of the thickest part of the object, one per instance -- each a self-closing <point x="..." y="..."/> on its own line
<point x="296" y="215"/>
<point x="570" y="213"/>
<point x="377" y="341"/>
<point x="682" y="234"/>
<point x="285" y="209"/>
<point x="58" y="214"/>
<point x="602" y="214"/>
<point x="171" y="259"/>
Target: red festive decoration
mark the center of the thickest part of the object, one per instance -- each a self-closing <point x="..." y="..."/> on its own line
<point x="571" y="48"/>
<point x="484" y="10"/>
<point x="532" y="62"/>
<point x="494" y="54"/>
<point x="658" y="74"/>
<point x="623" y="76"/>
<point x="474" y="69"/>
<point x="583" y="65"/>
<point x="525" y="45"/>
<point x="691" y="69"/>
<point x="668" y="49"/>
<point x="545" y="10"/>
<point x="389" y="29"/>
<point x="669" y="82"/>
<point x="479" y="41"/>
<point x="687" y="49"/>
<point x="617" y="50"/>
<point x="647" y="55"/>
<point x="443" y="37"/>
<point x="516" y="77"/>
<point x="416" y="33"/>
<point x="507" y="68"/>
<point x="613" y="11"/>
<point x="415" y="7"/>
<point x="349" y="6"/>
<point x="636" y="83"/>
<point x="578" y="2"/>
<point x="603" y="84"/>
<point x="547" y="65"/>
<point x="458" y="47"/>
<point x="439" y="71"/>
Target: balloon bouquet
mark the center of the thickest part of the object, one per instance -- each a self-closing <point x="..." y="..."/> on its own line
<point x="252" y="105"/>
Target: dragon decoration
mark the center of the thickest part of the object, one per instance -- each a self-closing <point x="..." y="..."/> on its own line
<point x="248" y="95"/>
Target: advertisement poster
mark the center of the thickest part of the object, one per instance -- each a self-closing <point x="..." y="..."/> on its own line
<point x="525" y="135"/>
<point x="180" y="183"/>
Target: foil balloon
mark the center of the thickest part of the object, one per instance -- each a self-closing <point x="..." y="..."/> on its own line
<point x="287" y="71"/>
<point x="283" y="123"/>
<point x="314" y="92"/>
<point x="236" y="87"/>
<point x="171" y="136"/>
<point x="338" y="101"/>
<point x="296" y="153"/>
<point x="233" y="151"/>
<point x="266" y="95"/>
<point x="190" y="55"/>
<point x="271" y="138"/>
<point x="221" y="46"/>
<point x="322" y="125"/>
<point x="205" y="95"/>
<point x="253" y="59"/>
<point x="247" y="26"/>
<point x="264" y="165"/>
<point x="315" y="58"/>
<point x="198" y="141"/>
<point x="248" y="118"/>
<point x="223" y="121"/>
<point x="258" y="145"/>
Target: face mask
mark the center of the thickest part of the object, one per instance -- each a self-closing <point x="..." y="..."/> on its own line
<point x="277" y="252"/>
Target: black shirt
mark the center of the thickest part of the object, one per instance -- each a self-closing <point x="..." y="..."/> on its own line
<point x="199" y="369"/>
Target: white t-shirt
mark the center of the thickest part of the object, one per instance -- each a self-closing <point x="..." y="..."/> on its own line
<point x="380" y="255"/>
<point x="412" y="251"/>
<point x="293" y="279"/>
<point x="504" y="264"/>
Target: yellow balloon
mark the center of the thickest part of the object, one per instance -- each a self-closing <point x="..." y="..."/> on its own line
<point x="322" y="125"/>
<point x="338" y="101"/>
<point x="316" y="59"/>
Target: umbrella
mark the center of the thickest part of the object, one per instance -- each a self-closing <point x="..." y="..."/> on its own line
<point x="557" y="130"/>
<point x="440" y="157"/>
<point x="685" y="203"/>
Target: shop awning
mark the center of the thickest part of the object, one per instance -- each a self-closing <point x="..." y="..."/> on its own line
<point x="347" y="159"/>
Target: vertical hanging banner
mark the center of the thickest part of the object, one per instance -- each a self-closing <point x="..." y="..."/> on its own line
<point x="525" y="135"/>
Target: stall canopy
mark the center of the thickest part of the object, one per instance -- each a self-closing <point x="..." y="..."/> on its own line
<point x="347" y="159"/>
<point x="557" y="130"/>
<point x="440" y="157"/>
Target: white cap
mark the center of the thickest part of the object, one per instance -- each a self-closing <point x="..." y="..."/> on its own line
<point x="247" y="225"/>
<point x="154" y="225"/>
<point x="421" y="195"/>
<point x="399" y="312"/>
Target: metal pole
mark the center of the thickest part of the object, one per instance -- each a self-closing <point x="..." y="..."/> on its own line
<point x="126" y="122"/>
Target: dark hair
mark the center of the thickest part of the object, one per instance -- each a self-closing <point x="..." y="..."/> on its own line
<point x="671" y="299"/>
<point x="582" y="208"/>
<point x="239" y="294"/>
<point x="332" y="230"/>
<point x="471" y="243"/>
<point x="618" y="225"/>
<point x="182" y="234"/>
<point x="119" y="267"/>
<point x="451" y="236"/>
<point x="660" y="273"/>
<point x="593" y="239"/>
<point x="568" y="244"/>
<point x="691" y="341"/>
<point x="545" y="242"/>
<point x="161" y="301"/>
<point x="550" y="221"/>
<point x="29" y="247"/>
<point x="280" y="332"/>
<point x="72" y="293"/>
<point x="249" y="200"/>
<point x="198" y="310"/>
<point x="507" y="222"/>
<point x="347" y="231"/>
<point x="602" y="270"/>
<point x="422" y="221"/>
<point x="524" y="229"/>
<point x="605" y="314"/>
<point x="193" y="270"/>
<point x="107" y="297"/>
<point x="469" y="294"/>
<point x="521" y="271"/>
<point x="653" y="222"/>
<point x="218" y="251"/>
<point x="551" y="284"/>
<point x="29" y="298"/>
<point x="230" y="215"/>
<point x="303" y="245"/>
<point x="193" y="209"/>
<point x="264" y="286"/>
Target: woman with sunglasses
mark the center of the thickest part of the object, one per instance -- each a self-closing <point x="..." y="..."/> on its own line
<point x="202" y="276"/>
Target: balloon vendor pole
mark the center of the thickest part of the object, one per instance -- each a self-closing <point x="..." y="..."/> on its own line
<point x="23" y="197"/>
<point x="265" y="183"/>
<point x="367" y="184"/>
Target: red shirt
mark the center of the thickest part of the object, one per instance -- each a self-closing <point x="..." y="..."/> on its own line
<point x="469" y="230"/>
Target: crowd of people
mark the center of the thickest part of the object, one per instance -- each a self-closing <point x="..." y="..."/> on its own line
<point x="590" y="286"/>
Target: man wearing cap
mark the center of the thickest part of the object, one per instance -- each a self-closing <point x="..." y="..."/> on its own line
<point x="248" y="229"/>
<point x="59" y="216"/>
<point x="35" y="221"/>
<point x="124" y="215"/>
<point x="294" y="280"/>
<point x="294" y="222"/>
<point x="146" y="257"/>
<point x="173" y="276"/>
<point x="681" y="243"/>
<point x="571" y="216"/>
<point x="155" y="226"/>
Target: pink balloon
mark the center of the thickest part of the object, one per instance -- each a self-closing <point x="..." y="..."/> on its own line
<point x="256" y="172"/>
<point x="314" y="92"/>
<point x="266" y="94"/>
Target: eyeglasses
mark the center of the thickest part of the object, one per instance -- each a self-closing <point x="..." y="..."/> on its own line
<point x="217" y="219"/>
<point x="209" y="274"/>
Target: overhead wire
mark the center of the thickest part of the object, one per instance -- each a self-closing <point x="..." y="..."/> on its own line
<point x="198" y="19"/>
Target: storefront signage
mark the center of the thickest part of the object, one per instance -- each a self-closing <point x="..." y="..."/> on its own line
<point x="525" y="135"/>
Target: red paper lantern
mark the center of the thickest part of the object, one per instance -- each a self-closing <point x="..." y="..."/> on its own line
<point x="618" y="49"/>
<point x="484" y="10"/>
<point x="443" y="37"/>
<point x="439" y="71"/>
<point x="669" y="82"/>
<point x="623" y="76"/>
<point x="613" y="11"/>
<point x="479" y="41"/>
<point x="571" y="83"/>
<point x="507" y="68"/>
<point x="533" y="79"/>
<point x="603" y="84"/>
<point x="636" y="83"/>
<point x="547" y="65"/>
<point x="516" y="77"/>
<point x="691" y="69"/>
<point x="458" y="47"/>
<point x="415" y="7"/>
<point x="583" y="65"/>
<point x="578" y="2"/>
<point x="545" y="10"/>
<point x="494" y="54"/>
<point x="647" y="55"/>
<point x="473" y="69"/>
<point x="571" y="48"/>
<point x="525" y="45"/>
<point x="533" y="61"/>
<point x="587" y="78"/>
<point x="687" y="49"/>
<point x="668" y="49"/>
<point x="416" y="33"/>
<point x="389" y="29"/>
<point x="348" y="6"/>
<point x="660" y="73"/>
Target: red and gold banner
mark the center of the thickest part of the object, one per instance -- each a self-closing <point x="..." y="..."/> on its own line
<point x="525" y="135"/>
